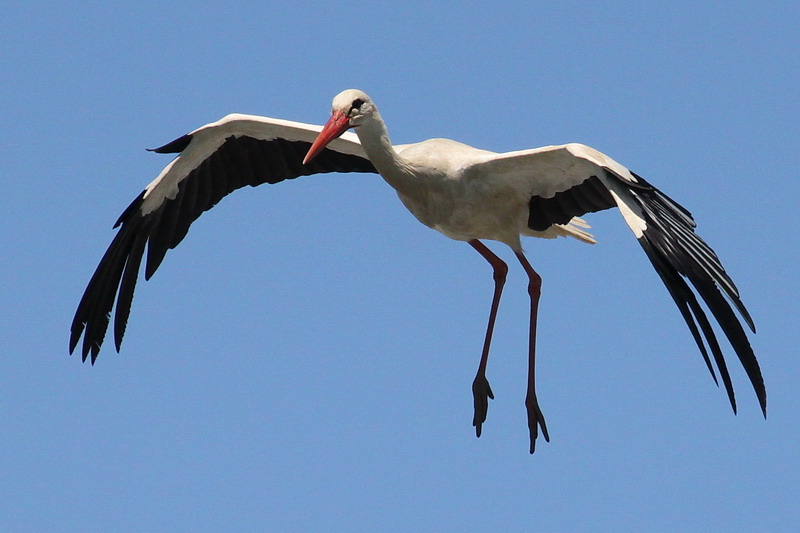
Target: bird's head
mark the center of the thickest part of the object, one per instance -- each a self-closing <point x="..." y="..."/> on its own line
<point x="349" y="109"/>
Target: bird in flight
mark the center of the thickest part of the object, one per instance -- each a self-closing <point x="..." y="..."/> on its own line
<point x="465" y="193"/>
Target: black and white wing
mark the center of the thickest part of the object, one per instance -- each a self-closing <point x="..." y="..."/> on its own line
<point x="213" y="161"/>
<point x="569" y="181"/>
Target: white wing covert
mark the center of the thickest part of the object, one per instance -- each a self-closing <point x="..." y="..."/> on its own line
<point x="213" y="161"/>
<point x="572" y="180"/>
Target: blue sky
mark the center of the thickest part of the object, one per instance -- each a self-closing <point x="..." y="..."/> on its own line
<point x="303" y="360"/>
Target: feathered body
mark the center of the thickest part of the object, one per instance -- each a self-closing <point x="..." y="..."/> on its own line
<point x="466" y="193"/>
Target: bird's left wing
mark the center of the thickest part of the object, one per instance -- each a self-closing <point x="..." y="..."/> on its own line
<point x="571" y="180"/>
<point x="213" y="161"/>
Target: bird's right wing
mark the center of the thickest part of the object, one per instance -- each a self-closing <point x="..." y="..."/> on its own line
<point x="571" y="180"/>
<point x="213" y="161"/>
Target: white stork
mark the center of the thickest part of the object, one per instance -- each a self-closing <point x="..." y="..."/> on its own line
<point x="465" y="193"/>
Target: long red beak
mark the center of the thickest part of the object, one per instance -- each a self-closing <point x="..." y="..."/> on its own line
<point x="336" y="125"/>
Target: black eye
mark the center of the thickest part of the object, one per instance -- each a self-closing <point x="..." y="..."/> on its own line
<point x="357" y="103"/>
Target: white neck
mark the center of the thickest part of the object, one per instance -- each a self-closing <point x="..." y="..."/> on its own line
<point x="398" y="172"/>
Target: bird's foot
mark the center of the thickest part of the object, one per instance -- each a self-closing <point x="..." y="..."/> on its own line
<point x="481" y="393"/>
<point x="535" y="420"/>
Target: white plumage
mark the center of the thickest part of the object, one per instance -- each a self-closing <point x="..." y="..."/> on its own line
<point x="465" y="193"/>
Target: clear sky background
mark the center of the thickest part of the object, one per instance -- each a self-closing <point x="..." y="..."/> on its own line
<point x="303" y="360"/>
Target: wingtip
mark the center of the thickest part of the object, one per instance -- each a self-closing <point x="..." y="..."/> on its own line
<point x="173" y="147"/>
<point x="732" y="399"/>
<point x="73" y="342"/>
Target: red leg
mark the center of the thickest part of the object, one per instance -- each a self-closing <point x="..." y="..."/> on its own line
<point x="535" y="417"/>
<point x="481" y="391"/>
